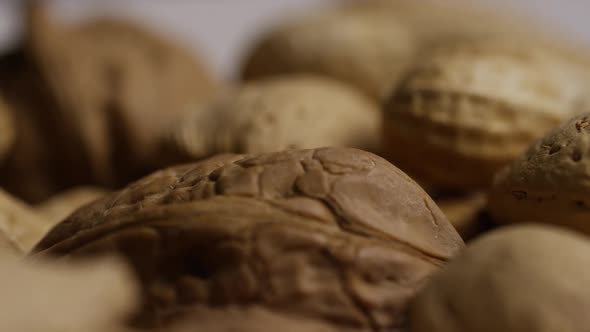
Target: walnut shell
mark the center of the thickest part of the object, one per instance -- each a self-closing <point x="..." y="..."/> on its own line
<point x="365" y="48"/>
<point x="470" y="108"/>
<point x="116" y="86"/>
<point x="525" y="278"/>
<point x="288" y="112"/>
<point x="333" y="234"/>
<point x="550" y="182"/>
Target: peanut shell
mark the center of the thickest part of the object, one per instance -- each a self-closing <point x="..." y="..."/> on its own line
<point x="337" y="235"/>
<point x="524" y="278"/>
<point x="469" y="108"/>
<point x="365" y="48"/>
<point x="289" y="112"/>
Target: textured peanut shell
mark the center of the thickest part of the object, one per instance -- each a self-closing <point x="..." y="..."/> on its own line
<point x="365" y="48"/>
<point x="117" y="86"/>
<point x="289" y="112"/>
<point x="525" y="278"/>
<point x="60" y="206"/>
<point x="7" y="130"/>
<point x="338" y="235"/>
<point x="550" y="182"/>
<point x="469" y="108"/>
<point x="20" y="222"/>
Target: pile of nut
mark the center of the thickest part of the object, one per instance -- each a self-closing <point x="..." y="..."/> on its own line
<point x="404" y="166"/>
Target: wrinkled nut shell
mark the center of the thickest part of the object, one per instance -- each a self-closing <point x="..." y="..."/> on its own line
<point x="526" y="278"/>
<point x="469" y="108"/>
<point x="290" y="112"/>
<point x="333" y="234"/>
<point x="550" y="182"/>
<point x="364" y="47"/>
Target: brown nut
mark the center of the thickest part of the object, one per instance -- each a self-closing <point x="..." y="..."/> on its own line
<point x="7" y="130"/>
<point x="470" y="108"/>
<point x="116" y="87"/>
<point x="288" y="112"/>
<point x="334" y="234"/>
<point x="525" y="278"/>
<point x="364" y="47"/>
<point x="549" y="183"/>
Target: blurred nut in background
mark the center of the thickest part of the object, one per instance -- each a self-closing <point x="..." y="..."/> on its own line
<point x="95" y="296"/>
<point x="526" y="278"/>
<point x="466" y="212"/>
<point x="108" y="90"/>
<point x="338" y="235"/>
<point x="469" y="108"/>
<point x="366" y="48"/>
<point x="20" y="222"/>
<point x="550" y="182"/>
<point x="287" y="112"/>
<point x="8" y="246"/>
<point x="7" y="130"/>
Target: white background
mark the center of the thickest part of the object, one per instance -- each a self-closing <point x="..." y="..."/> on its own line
<point x="221" y="30"/>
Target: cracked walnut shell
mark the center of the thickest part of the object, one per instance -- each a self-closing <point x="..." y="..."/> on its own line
<point x="468" y="109"/>
<point x="549" y="183"/>
<point x="339" y="235"/>
<point x="522" y="278"/>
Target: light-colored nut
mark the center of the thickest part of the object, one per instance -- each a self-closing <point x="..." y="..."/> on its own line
<point x="95" y="296"/>
<point x="20" y="222"/>
<point x="338" y="235"/>
<point x="8" y="245"/>
<point x="366" y="48"/>
<point x="550" y="182"/>
<point x="289" y="112"/>
<point x="470" y="108"/>
<point x="525" y="278"/>
<point x="58" y="207"/>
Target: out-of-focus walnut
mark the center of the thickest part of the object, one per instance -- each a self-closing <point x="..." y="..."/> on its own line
<point x="339" y="235"/>
<point x="97" y="95"/>
<point x="36" y="296"/>
<point x="288" y="112"/>
<point x="7" y="245"/>
<point x="58" y="207"/>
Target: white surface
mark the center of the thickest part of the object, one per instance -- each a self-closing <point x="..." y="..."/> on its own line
<point x="221" y="30"/>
